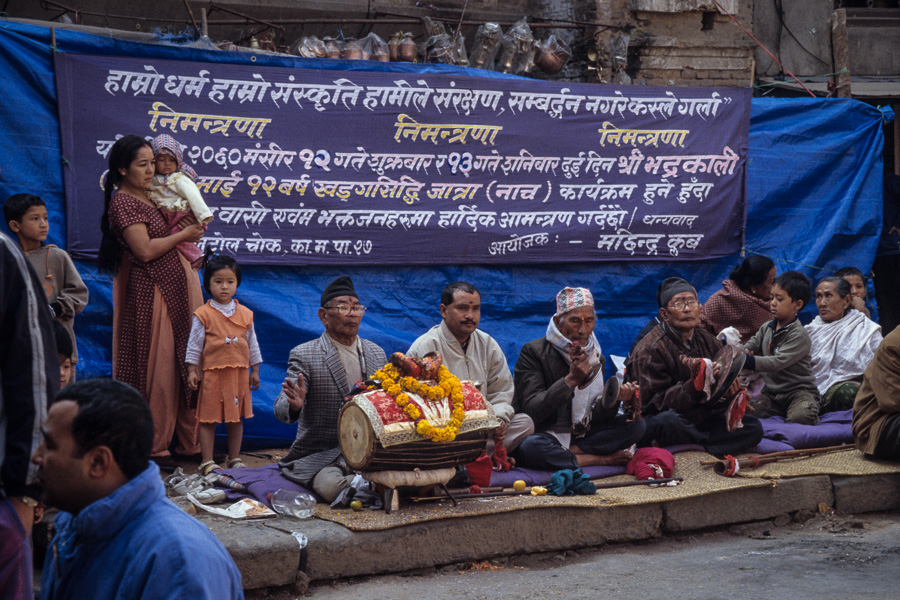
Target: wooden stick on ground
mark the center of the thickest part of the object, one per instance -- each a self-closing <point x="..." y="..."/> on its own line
<point x="528" y="492"/>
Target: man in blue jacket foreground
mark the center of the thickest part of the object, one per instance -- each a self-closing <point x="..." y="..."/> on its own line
<point x="119" y="536"/>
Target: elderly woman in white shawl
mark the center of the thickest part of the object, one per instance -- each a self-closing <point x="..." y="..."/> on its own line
<point x="843" y="344"/>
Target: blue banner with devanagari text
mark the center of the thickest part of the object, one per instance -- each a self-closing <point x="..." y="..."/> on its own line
<point x="374" y="168"/>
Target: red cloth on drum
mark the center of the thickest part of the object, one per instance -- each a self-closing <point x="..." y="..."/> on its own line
<point x="390" y="413"/>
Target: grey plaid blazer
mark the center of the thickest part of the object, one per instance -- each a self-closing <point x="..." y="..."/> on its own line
<point x="316" y="445"/>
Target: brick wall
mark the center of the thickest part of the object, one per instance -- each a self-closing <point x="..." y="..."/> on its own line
<point x="686" y="43"/>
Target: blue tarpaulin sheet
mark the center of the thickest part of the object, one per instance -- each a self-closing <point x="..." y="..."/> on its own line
<point x="814" y="189"/>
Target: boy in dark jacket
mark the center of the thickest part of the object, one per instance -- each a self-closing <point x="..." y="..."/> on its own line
<point x="780" y="351"/>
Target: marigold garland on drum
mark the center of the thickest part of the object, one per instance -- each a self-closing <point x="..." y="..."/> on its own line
<point x="448" y="386"/>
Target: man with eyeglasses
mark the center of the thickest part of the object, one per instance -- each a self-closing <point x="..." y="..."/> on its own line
<point x="473" y="355"/>
<point x="557" y="380"/>
<point x="320" y="374"/>
<point x="675" y="400"/>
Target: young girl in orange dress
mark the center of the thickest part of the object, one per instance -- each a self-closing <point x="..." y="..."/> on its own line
<point x="223" y="361"/>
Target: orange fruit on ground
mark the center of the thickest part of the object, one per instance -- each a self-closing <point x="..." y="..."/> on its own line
<point x="518" y="485"/>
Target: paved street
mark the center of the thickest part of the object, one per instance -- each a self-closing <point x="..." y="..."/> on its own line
<point x="827" y="557"/>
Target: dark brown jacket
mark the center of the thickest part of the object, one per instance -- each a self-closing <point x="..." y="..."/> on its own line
<point x="664" y="381"/>
<point x="879" y="395"/>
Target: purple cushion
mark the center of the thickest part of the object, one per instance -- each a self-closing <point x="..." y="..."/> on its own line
<point x="832" y="429"/>
<point x="838" y="416"/>
<point x="766" y="446"/>
<point x="260" y="482"/>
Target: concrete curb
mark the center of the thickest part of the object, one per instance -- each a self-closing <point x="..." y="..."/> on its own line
<point x="268" y="555"/>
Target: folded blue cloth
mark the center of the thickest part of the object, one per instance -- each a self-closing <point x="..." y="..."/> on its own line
<point x="568" y="482"/>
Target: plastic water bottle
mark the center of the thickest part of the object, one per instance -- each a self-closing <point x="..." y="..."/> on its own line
<point x="292" y="504"/>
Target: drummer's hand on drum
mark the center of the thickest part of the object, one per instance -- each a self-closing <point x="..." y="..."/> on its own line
<point x="626" y="392"/>
<point x="295" y="391"/>
<point x="500" y="432"/>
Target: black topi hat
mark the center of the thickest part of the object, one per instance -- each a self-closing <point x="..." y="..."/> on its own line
<point x="342" y="286"/>
<point x="670" y="288"/>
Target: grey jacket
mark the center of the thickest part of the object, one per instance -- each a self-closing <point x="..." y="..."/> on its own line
<point x="782" y="357"/>
<point x="316" y="445"/>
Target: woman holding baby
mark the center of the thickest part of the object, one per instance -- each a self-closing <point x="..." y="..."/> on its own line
<point x="155" y="292"/>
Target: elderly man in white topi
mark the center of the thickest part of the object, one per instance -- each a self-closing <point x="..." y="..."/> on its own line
<point x="558" y="379"/>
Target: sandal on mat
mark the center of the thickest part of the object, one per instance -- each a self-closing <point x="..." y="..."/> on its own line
<point x="236" y="463"/>
<point x="209" y="466"/>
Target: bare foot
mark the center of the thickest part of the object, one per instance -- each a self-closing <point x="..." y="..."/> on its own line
<point x="616" y="459"/>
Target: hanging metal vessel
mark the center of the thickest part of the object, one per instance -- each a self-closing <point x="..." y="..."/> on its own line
<point x="394" y="47"/>
<point x="408" y="50"/>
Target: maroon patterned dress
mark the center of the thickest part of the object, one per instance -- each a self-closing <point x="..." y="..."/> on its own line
<point x="137" y="310"/>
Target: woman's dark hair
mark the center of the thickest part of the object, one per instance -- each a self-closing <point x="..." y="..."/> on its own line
<point x="217" y="262"/>
<point x="112" y="414"/>
<point x="841" y="285"/>
<point x="753" y="271"/>
<point x="121" y="156"/>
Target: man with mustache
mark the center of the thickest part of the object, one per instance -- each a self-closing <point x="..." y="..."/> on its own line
<point x="557" y="380"/>
<point x="473" y="355"/>
<point x="117" y="535"/>
<point x="671" y="374"/>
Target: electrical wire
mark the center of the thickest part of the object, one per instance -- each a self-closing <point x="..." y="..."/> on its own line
<point x="785" y="69"/>
<point x="779" y="6"/>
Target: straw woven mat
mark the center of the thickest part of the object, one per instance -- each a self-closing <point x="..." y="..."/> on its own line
<point x="840" y="462"/>
<point x="697" y="482"/>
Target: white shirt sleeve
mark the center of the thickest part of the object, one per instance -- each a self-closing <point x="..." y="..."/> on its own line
<point x="195" y="342"/>
<point x="255" y="356"/>
<point x="188" y="190"/>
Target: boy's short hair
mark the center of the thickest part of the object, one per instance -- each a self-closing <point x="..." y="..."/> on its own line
<point x="217" y="262"/>
<point x="849" y="271"/>
<point x="64" y="344"/>
<point x="796" y="285"/>
<point x="17" y="205"/>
